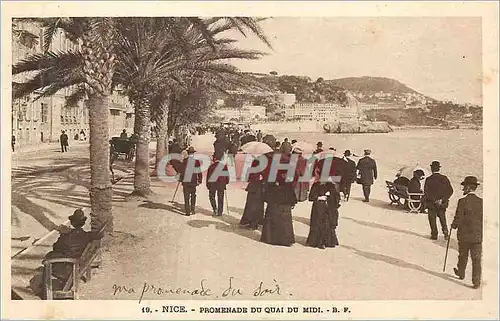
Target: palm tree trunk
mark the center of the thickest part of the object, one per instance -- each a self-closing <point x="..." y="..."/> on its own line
<point x="162" y="131"/>
<point x="101" y="191"/>
<point x="142" y="127"/>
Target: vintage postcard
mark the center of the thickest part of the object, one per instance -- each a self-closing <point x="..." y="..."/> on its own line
<point x="250" y="160"/>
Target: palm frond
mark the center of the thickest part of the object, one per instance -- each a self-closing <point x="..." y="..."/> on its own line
<point x="203" y="28"/>
<point x="79" y="94"/>
<point x="251" y="23"/>
<point x="49" y="59"/>
<point x="50" y="31"/>
<point x="48" y="82"/>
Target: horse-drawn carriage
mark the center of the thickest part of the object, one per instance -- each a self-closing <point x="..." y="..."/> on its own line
<point x="124" y="147"/>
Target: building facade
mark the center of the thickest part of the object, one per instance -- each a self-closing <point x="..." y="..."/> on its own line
<point x="319" y="112"/>
<point x="41" y="120"/>
<point x="246" y="113"/>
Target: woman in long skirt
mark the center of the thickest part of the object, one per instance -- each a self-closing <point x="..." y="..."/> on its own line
<point x="278" y="226"/>
<point x="280" y="197"/>
<point x="324" y="215"/>
<point x="253" y="214"/>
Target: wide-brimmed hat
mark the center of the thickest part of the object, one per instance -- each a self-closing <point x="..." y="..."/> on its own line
<point x="347" y="153"/>
<point x="419" y="172"/>
<point x="368" y="151"/>
<point x="470" y="180"/>
<point x="77" y="217"/>
<point x="435" y="164"/>
<point x="191" y="150"/>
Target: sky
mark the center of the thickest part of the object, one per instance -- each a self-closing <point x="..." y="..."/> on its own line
<point x="439" y="57"/>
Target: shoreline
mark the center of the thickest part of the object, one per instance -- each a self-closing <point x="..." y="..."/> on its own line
<point x="317" y="127"/>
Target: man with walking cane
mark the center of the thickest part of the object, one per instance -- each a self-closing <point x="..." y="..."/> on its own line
<point x="469" y="222"/>
<point x="189" y="184"/>
<point x="216" y="184"/>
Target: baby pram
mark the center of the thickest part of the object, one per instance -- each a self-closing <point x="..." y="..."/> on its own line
<point x="398" y="190"/>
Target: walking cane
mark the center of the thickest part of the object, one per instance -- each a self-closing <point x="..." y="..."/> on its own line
<point x="227" y="204"/>
<point x="175" y="193"/>
<point x="447" y="246"/>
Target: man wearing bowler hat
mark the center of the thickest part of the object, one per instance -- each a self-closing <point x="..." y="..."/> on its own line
<point x="189" y="184"/>
<point x="70" y="244"/>
<point x="319" y="148"/>
<point x="469" y="222"/>
<point x="367" y="168"/>
<point x="437" y="193"/>
<point x="349" y="176"/>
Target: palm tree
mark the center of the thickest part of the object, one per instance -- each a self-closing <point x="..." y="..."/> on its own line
<point x="88" y="72"/>
<point x="158" y="53"/>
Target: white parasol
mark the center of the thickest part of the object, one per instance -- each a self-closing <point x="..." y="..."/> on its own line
<point x="256" y="148"/>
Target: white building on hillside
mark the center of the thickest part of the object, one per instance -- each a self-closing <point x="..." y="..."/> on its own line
<point x="319" y="112"/>
<point x="246" y="113"/>
<point x="287" y="99"/>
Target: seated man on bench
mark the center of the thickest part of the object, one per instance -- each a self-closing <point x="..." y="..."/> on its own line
<point x="415" y="187"/>
<point x="70" y="244"/>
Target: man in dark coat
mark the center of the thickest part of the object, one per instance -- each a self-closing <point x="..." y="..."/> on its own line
<point x="216" y="185"/>
<point x="189" y="184"/>
<point x="349" y="175"/>
<point x="221" y="145"/>
<point x="70" y="244"/>
<point x="469" y="222"/>
<point x="124" y="135"/>
<point x="437" y="190"/>
<point x="175" y="148"/>
<point x="259" y="136"/>
<point x="367" y="168"/>
<point x="319" y="148"/>
<point x="414" y="186"/>
<point x="63" y="139"/>
<point x="13" y="142"/>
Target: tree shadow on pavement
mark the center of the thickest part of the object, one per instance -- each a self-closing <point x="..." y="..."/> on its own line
<point x="380" y="204"/>
<point x="227" y="223"/>
<point x="225" y="227"/>
<point x="303" y="220"/>
<point x="236" y="209"/>
<point x="67" y="187"/>
<point x="161" y="206"/>
<point x="453" y="243"/>
<point x="400" y="263"/>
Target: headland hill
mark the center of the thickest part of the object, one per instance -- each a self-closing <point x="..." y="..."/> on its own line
<point x="344" y="105"/>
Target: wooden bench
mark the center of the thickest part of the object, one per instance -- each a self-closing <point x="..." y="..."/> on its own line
<point x="81" y="270"/>
<point x="412" y="200"/>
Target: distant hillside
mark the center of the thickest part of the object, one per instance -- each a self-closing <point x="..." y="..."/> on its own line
<point x="371" y="85"/>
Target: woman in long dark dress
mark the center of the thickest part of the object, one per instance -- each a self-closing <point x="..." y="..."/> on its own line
<point x="253" y="213"/>
<point x="280" y="197"/>
<point x="324" y="215"/>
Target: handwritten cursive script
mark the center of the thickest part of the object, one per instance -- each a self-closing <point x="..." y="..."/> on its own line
<point x="231" y="289"/>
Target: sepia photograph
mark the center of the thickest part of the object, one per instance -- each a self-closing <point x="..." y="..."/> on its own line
<point x="210" y="159"/>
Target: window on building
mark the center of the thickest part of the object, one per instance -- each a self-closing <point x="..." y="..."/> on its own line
<point x="45" y="113"/>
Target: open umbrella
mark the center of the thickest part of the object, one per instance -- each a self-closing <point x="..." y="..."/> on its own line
<point x="306" y="148"/>
<point x="407" y="171"/>
<point x="256" y="148"/>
